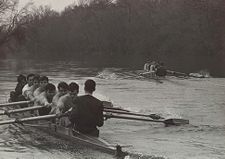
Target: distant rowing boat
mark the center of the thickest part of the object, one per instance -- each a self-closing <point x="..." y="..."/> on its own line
<point x="154" y="70"/>
<point x="150" y="75"/>
<point x="169" y="73"/>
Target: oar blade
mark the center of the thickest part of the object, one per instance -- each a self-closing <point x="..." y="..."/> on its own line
<point x="176" y="122"/>
<point x="155" y="116"/>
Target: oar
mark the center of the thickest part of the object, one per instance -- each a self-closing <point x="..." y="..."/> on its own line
<point x="12" y="121"/>
<point x="167" y="122"/>
<point x="153" y="116"/>
<point x="183" y="74"/>
<point x="116" y="108"/>
<point x="176" y="73"/>
<point x="109" y="105"/>
<point x="195" y="76"/>
<point x="8" y="112"/>
<point x="15" y="103"/>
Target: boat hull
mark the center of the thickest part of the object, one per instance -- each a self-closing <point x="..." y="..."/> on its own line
<point x="67" y="133"/>
<point x="73" y="136"/>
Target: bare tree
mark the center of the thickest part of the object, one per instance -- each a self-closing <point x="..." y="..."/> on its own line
<point x="11" y="19"/>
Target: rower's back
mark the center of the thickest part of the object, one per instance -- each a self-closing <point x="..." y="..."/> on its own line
<point x="87" y="112"/>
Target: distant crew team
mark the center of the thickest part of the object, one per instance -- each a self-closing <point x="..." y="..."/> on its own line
<point x="155" y="69"/>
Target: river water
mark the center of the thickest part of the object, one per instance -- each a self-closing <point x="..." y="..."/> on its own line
<point x="201" y="101"/>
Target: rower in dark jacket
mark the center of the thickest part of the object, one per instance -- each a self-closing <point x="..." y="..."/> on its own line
<point x="87" y="112"/>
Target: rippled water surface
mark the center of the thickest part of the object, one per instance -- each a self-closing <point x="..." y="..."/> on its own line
<point x="202" y="101"/>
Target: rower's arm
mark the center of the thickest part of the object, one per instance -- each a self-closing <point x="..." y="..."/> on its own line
<point x="100" y="120"/>
<point x="41" y="99"/>
<point x="73" y="115"/>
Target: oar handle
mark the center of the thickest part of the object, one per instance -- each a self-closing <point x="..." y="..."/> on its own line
<point x="8" y="112"/>
<point x="116" y="108"/>
<point x="28" y="119"/>
<point x="15" y="103"/>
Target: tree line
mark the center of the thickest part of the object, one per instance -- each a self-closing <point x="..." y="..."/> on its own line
<point x="187" y="35"/>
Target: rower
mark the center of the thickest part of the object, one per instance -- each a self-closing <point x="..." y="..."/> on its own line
<point x="16" y="95"/>
<point x="65" y="102"/>
<point x="73" y="90"/>
<point x="43" y="81"/>
<point x="87" y="112"/>
<point x="147" y="66"/>
<point x="21" y="79"/>
<point x="150" y="69"/>
<point x="63" y="89"/>
<point x="45" y="99"/>
<point x="29" y="84"/>
<point x="29" y="94"/>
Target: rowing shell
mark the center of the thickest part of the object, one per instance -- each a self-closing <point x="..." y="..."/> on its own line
<point x="69" y="134"/>
<point x="76" y="137"/>
<point x="152" y="76"/>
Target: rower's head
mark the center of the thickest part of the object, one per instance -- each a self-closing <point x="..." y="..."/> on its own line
<point x="30" y="79"/>
<point x="36" y="80"/>
<point x="50" y="90"/>
<point x="153" y="63"/>
<point x="73" y="89"/>
<point x="89" y="86"/>
<point x="22" y="79"/>
<point x="63" y="88"/>
<point x="43" y="81"/>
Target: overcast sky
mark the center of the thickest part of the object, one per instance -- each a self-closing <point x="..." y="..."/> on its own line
<point x="55" y="4"/>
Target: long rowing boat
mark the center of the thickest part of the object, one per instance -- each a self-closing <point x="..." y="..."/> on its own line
<point x="69" y="134"/>
<point x="46" y="124"/>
